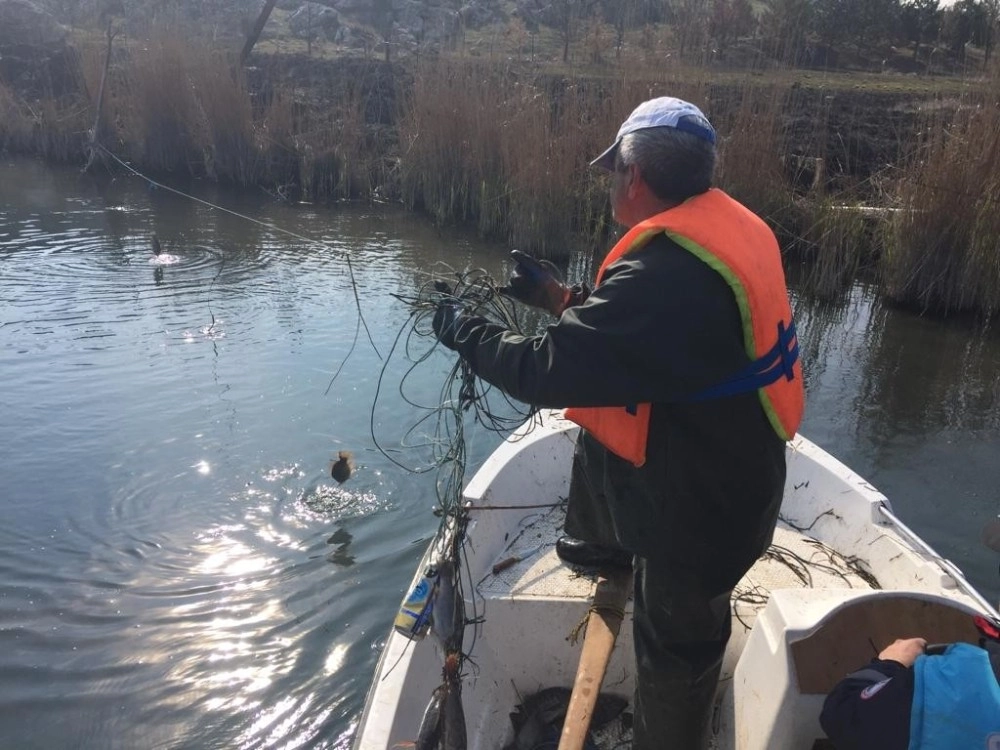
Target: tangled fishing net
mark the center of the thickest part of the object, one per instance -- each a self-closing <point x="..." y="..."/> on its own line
<point x="439" y="430"/>
<point x="463" y="397"/>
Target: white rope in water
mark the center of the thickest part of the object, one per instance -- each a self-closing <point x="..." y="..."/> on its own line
<point x="265" y="224"/>
<point x="346" y="254"/>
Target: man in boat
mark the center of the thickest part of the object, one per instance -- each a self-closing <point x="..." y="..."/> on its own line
<point x="681" y="367"/>
<point x="912" y="696"/>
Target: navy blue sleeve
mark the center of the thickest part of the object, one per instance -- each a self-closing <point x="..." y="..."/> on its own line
<point x="870" y="709"/>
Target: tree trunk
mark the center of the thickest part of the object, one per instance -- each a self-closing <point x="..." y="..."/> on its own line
<point x="567" y="31"/>
<point x="95" y="132"/>
<point x="258" y="27"/>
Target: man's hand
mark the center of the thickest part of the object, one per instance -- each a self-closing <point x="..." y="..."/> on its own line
<point x="537" y="283"/>
<point x="904" y="650"/>
<point x="445" y="322"/>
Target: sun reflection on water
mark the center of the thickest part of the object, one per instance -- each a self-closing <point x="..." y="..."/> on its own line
<point x="226" y="658"/>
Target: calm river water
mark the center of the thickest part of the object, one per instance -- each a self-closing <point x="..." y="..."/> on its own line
<point x="177" y="569"/>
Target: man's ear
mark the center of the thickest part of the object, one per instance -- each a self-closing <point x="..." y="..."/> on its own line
<point x="633" y="181"/>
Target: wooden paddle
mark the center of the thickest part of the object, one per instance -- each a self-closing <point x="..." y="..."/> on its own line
<point x="602" y="629"/>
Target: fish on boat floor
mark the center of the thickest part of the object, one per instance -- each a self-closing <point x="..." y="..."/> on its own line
<point x="538" y="720"/>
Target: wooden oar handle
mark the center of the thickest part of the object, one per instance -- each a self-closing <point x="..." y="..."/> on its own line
<point x="602" y="629"/>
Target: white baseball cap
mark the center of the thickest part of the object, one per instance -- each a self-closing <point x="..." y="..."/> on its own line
<point x="662" y="112"/>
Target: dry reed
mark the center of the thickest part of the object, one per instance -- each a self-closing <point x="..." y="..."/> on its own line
<point x="173" y="104"/>
<point x="751" y="149"/>
<point x="50" y="127"/>
<point x="836" y="242"/>
<point x="507" y="149"/>
<point x="943" y="243"/>
<point x="501" y="145"/>
<point x="155" y="104"/>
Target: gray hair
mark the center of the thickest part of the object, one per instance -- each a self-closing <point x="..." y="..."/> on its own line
<point x="675" y="164"/>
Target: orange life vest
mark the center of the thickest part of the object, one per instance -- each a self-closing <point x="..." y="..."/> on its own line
<point x="739" y="245"/>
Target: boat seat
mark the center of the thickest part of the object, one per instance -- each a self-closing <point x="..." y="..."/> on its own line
<point x="851" y="636"/>
<point x="806" y="640"/>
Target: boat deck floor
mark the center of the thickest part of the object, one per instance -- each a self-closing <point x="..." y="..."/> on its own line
<point x="794" y="560"/>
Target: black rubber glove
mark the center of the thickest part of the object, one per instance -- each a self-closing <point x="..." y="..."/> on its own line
<point x="445" y="322"/>
<point x="538" y="283"/>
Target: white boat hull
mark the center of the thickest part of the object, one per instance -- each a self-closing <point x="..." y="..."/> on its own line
<point x="836" y="539"/>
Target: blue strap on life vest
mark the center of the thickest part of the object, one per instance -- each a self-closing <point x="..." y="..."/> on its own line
<point x="956" y="701"/>
<point x="776" y="363"/>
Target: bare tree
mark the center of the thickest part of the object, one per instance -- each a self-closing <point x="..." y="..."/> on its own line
<point x="991" y="9"/>
<point x="785" y="25"/>
<point x="690" y="19"/>
<point x="729" y="20"/>
<point x="920" y="21"/>
<point x="385" y="19"/>
<point x="964" y="24"/>
<point x="95" y="132"/>
<point x="258" y="27"/>
<point x="564" y="16"/>
<point x="630" y="14"/>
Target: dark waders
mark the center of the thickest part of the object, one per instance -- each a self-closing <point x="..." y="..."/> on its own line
<point x="681" y="627"/>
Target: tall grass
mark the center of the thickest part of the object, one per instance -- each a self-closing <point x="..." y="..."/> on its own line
<point x="450" y="132"/>
<point x="498" y="147"/>
<point x="751" y="148"/>
<point x="182" y="107"/>
<point x="53" y="128"/>
<point x="822" y="229"/>
<point x="156" y="106"/>
<point x="17" y="121"/>
<point x="943" y="244"/>
<point x="507" y="148"/>
<point x="225" y="128"/>
<point x="504" y="146"/>
<point x="174" y="105"/>
<point x="837" y="241"/>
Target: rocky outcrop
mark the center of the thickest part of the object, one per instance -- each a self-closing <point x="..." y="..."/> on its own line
<point x="413" y="23"/>
<point x="311" y="20"/>
<point x="476" y="15"/>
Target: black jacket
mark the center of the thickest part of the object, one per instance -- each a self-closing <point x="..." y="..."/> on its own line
<point x="870" y="709"/>
<point x="660" y="327"/>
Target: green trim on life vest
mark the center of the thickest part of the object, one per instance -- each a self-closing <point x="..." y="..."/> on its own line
<point x="739" y="292"/>
<point x="735" y="284"/>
